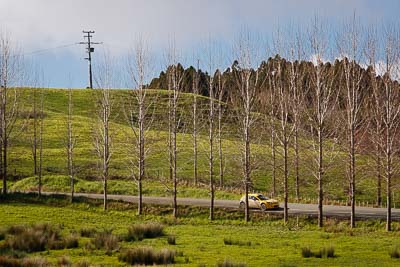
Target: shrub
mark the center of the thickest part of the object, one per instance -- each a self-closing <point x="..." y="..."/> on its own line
<point x="16" y="229"/>
<point x="35" y="262"/>
<point x="325" y="252"/>
<point x="138" y="232"/>
<point x="88" y="232"/>
<point x="10" y="262"/>
<point x="105" y="240"/>
<point x="230" y="241"/>
<point x="2" y="234"/>
<point x="147" y="256"/>
<point x="394" y="253"/>
<point x="171" y="240"/>
<point x="83" y="263"/>
<point x="71" y="241"/>
<point x="37" y="238"/>
<point x="64" y="262"/>
<point x="329" y="252"/>
<point x="27" y="262"/>
<point x="306" y="252"/>
<point x="29" y="240"/>
<point x="227" y="263"/>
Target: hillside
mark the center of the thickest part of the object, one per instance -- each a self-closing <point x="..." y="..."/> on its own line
<point x="84" y="118"/>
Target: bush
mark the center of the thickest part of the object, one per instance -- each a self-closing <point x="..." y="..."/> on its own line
<point x="394" y="253"/>
<point x="10" y="262"/>
<point x="147" y="256"/>
<point x="306" y="252"/>
<point x="71" y="241"/>
<point x="88" y="232"/>
<point x="29" y="240"/>
<point x="227" y="263"/>
<point x="83" y="263"/>
<point x="2" y="234"/>
<point x="37" y="238"/>
<point x="35" y="262"/>
<point x="139" y="232"/>
<point x="230" y="241"/>
<point x="105" y="240"/>
<point x="27" y="262"/>
<point x="64" y="262"/>
<point x="16" y="229"/>
<point x="325" y="252"/>
<point x="171" y="240"/>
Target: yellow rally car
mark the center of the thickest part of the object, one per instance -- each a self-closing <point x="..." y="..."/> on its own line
<point x="259" y="201"/>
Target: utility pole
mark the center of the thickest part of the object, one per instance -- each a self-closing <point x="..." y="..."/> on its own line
<point x="89" y="50"/>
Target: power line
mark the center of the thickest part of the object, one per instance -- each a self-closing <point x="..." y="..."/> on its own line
<point x="42" y="51"/>
<point x="89" y="50"/>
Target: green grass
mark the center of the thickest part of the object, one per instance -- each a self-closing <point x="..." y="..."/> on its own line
<point x="199" y="241"/>
<point x="157" y="167"/>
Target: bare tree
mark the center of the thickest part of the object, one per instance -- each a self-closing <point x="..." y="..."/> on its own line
<point x="211" y="118"/>
<point x="34" y="138"/>
<point x="323" y="101"/>
<point x="41" y="119"/>
<point x="391" y="110"/>
<point x="175" y="78"/>
<point x="247" y="83"/>
<point x="349" y="50"/>
<point x="297" y="93"/>
<point x="195" y="87"/>
<point x="139" y="71"/>
<point x="10" y="74"/>
<point x="286" y="128"/>
<point x="70" y="144"/>
<point x="221" y="84"/>
<point x="102" y="136"/>
<point x="375" y="108"/>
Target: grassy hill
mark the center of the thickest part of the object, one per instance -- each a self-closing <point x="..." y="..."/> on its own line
<point x="84" y="121"/>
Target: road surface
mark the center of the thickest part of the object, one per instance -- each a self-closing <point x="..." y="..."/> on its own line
<point x="294" y="208"/>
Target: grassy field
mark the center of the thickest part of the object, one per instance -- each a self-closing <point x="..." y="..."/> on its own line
<point x="157" y="166"/>
<point x="263" y="242"/>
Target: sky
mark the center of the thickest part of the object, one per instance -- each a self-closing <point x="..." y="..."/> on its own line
<point x="47" y="31"/>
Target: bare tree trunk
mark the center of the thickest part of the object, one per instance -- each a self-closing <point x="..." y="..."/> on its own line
<point x="141" y="158"/>
<point x="211" y="140"/>
<point x="273" y="151"/>
<point x="70" y="145"/>
<point x="378" y="177"/>
<point x="272" y="115"/>
<point x="388" y="178"/>
<point x="195" y="93"/>
<point x="106" y="153"/>
<point x="220" y="107"/>
<point x="285" y="182"/>
<point x="41" y="142"/>
<point x="247" y="167"/>
<point x="320" y="177"/>
<point x="352" y="177"/>
<point x="174" y="153"/>
<point x="220" y="153"/>
<point x="10" y="74"/>
<point x="34" y="140"/>
<point x="296" y="160"/>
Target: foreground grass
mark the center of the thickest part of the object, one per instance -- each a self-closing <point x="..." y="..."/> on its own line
<point x="263" y="242"/>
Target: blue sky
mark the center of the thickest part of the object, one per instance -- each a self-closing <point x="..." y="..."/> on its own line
<point x="56" y="25"/>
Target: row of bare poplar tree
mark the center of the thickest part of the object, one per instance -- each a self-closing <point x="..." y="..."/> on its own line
<point x="339" y="87"/>
<point x="306" y="92"/>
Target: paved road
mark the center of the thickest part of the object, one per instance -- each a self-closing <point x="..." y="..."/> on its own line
<point x="294" y="208"/>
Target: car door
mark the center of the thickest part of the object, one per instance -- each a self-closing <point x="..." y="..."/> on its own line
<point x="252" y="202"/>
